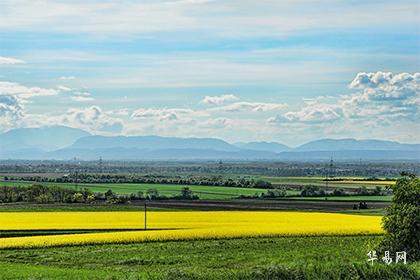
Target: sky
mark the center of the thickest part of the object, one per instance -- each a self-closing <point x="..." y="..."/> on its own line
<point x="283" y="71"/>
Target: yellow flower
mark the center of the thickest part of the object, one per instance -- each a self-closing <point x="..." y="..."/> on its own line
<point x="179" y="226"/>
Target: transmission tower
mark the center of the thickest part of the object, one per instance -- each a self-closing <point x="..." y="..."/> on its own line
<point x="329" y="172"/>
<point x="331" y="168"/>
<point x="100" y="163"/>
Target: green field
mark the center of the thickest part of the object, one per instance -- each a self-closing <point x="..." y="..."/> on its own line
<point x="220" y="192"/>
<point x="204" y="192"/>
<point x="347" y="182"/>
<point x="258" y="258"/>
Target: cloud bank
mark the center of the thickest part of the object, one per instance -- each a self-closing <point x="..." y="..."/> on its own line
<point x="380" y="105"/>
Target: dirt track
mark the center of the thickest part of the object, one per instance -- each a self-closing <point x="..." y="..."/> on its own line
<point x="264" y="205"/>
<point x="235" y="204"/>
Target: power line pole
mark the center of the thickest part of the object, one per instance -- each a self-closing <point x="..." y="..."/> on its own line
<point x="145" y="215"/>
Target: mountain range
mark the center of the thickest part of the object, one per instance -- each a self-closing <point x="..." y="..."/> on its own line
<point x="64" y="143"/>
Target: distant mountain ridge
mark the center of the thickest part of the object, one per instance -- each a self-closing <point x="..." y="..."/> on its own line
<point x="263" y="146"/>
<point x="63" y="143"/>
<point x="353" y="144"/>
<point x="152" y="143"/>
<point x="40" y="138"/>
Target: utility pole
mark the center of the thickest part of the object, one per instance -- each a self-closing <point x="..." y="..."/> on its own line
<point x="145" y="215"/>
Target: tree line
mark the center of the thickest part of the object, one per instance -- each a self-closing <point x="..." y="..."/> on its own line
<point x="43" y="194"/>
<point x="146" y="179"/>
<point x="316" y="191"/>
<point x="341" y="169"/>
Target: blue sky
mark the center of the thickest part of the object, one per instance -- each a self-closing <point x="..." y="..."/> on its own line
<point x="285" y="71"/>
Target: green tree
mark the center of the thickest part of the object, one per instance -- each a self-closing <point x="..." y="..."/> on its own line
<point x="402" y="219"/>
<point x="186" y="192"/>
<point x="78" y="198"/>
<point x="152" y="194"/>
<point x="90" y="198"/>
<point x="43" y="198"/>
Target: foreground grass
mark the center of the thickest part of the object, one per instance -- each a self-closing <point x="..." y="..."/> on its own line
<point x="248" y="258"/>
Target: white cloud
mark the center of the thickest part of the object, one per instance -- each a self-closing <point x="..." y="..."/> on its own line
<point x="82" y="98"/>
<point x="162" y="114"/>
<point x="10" y="60"/>
<point x="381" y="95"/>
<point x="67" y="78"/>
<point x="250" y="107"/>
<point x="13" y="97"/>
<point x="388" y="95"/>
<point x="10" y="88"/>
<point x="385" y="105"/>
<point x="217" y="123"/>
<point x="63" y="88"/>
<point x="313" y="112"/>
<point x="219" y="100"/>
<point x="92" y="119"/>
<point x="11" y="111"/>
<point x="120" y="112"/>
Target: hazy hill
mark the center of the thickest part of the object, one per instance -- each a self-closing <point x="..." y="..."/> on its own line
<point x="263" y="146"/>
<point x="63" y="143"/>
<point x="152" y="143"/>
<point x="42" y="138"/>
<point x="353" y="144"/>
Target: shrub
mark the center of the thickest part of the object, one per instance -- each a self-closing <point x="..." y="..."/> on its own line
<point x="90" y="198"/>
<point x="78" y="198"/>
<point x="43" y="199"/>
<point x="275" y="193"/>
<point x="402" y="219"/>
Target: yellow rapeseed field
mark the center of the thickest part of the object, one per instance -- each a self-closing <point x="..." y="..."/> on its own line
<point x="178" y="226"/>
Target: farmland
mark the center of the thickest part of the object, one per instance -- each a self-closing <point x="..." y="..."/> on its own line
<point x="204" y="192"/>
<point x="341" y="182"/>
<point x="293" y="185"/>
<point x="228" y="233"/>
<point x="178" y="226"/>
<point x="192" y="245"/>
